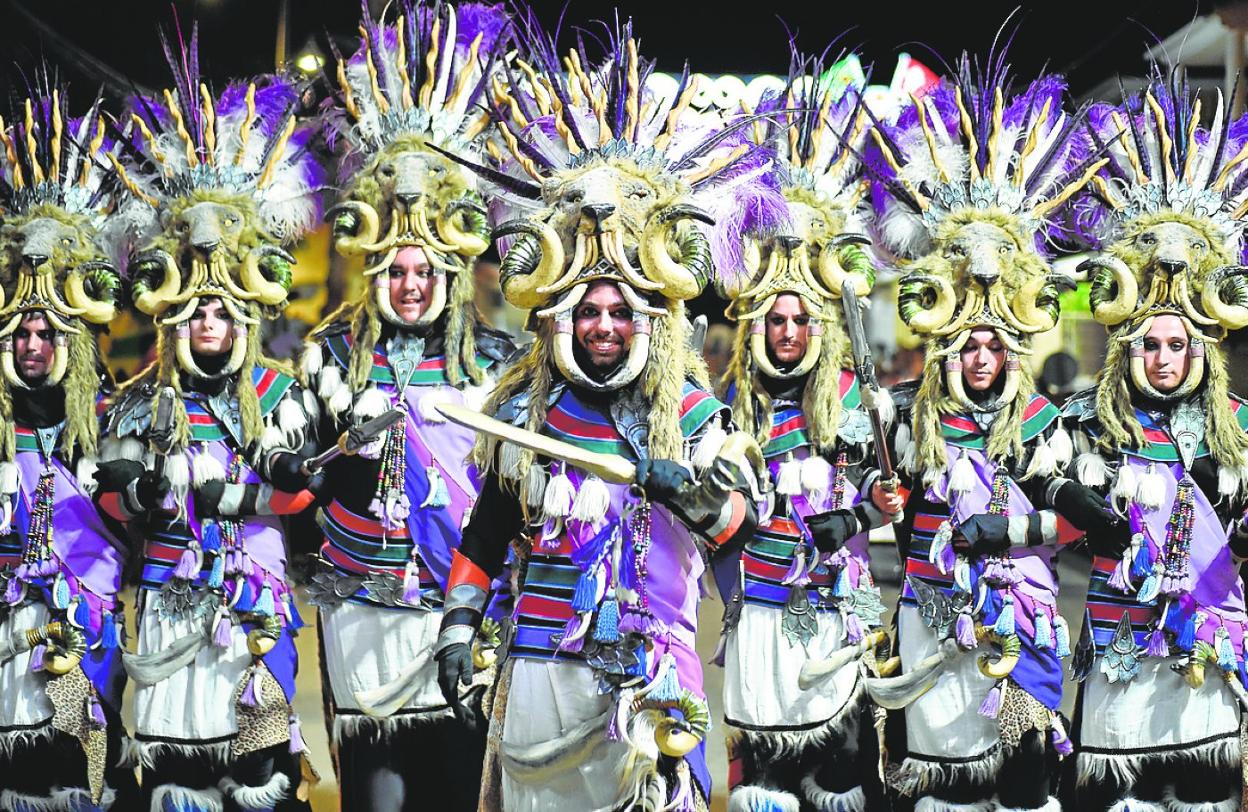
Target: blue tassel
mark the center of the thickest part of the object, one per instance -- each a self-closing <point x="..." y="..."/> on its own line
<point x="1151" y="586"/>
<point x="607" y="629"/>
<point x="211" y="541"/>
<point x="1061" y="635"/>
<point x="60" y="592"/>
<point x="216" y="577"/>
<point x="109" y="636"/>
<point x="667" y="681"/>
<point x="1142" y="565"/>
<point x="246" y="598"/>
<point x="841" y="589"/>
<point x="264" y="603"/>
<point x="643" y="666"/>
<point x="584" y="597"/>
<point x="1005" y="618"/>
<point x="1043" y="637"/>
<point x="1187" y="637"/>
<point x="439" y="496"/>
<point x="82" y="613"/>
<point x="295" y="620"/>
<point x="1226" y="652"/>
<point x="1243" y="674"/>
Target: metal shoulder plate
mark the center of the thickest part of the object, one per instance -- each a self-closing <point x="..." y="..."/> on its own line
<point x="130" y="415"/>
<point x="1080" y="406"/>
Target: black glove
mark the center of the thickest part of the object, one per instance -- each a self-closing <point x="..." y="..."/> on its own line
<point x="208" y="498"/>
<point x="830" y="530"/>
<point x="113" y="476"/>
<point x="1084" y="508"/>
<point x="455" y="669"/>
<point x="986" y="534"/>
<point x="1111" y="541"/>
<point x="662" y="479"/>
<point x="151" y="489"/>
<point x="286" y="472"/>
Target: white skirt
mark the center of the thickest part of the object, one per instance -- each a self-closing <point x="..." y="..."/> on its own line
<point x="761" y="669"/>
<point x="23" y="703"/>
<point x="367" y="647"/>
<point x="945" y="722"/>
<point x="194" y="706"/>
<point x="547" y="699"/>
<point x="1125" y="725"/>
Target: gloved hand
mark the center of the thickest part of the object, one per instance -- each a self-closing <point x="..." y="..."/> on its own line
<point x="662" y="479"/>
<point x="1111" y="541"/>
<point x="208" y="498"/>
<point x="151" y="489"/>
<point x="1084" y="507"/>
<point x="830" y="530"/>
<point x="286" y="472"/>
<point x="455" y="669"/>
<point x="985" y="534"/>
<point x="113" y="476"/>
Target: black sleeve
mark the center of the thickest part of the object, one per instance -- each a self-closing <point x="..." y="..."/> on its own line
<point x="497" y="518"/>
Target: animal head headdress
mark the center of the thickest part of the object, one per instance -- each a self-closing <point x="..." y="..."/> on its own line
<point x="412" y="93"/>
<point x="605" y="176"/>
<point x="220" y="183"/>
<point x="56" y="194"/>
<point x="971" y="184"/>
<point x="1169" y="211"/>
<point x="798" y="233"/>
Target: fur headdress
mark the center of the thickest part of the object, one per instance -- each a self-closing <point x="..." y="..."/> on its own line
<point x="56" y="193"/>
<point x="1168" y="210"/>
<point x="970" y="185"/>
<point x="604" y="179"/>
<point x="798" y="233"/>
<point x="411" y="92"/>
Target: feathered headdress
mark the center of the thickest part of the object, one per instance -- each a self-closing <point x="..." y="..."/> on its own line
<point x="799" y="233"/>
<point x="1169" y="210"/>
<point x="56" y="194"/>
<point x="412" y="91"/>
<point x="605" y="177"/>
<point x="971" y="183"/>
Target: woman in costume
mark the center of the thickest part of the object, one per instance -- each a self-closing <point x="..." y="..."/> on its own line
<point x="206" y="443"/>
<point x="1162" y="658"/>
<point x="802" y="606"/>
<point x="413" y="340"/>
<point x="969" y="182"/>
<point x="600" y="702"/>
<point x="60" y="621"/>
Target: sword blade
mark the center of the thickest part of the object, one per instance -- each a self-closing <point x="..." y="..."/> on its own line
<point x="864" y="369"/>
<point x="610" y="467"/>
<point x="354" y="439"/>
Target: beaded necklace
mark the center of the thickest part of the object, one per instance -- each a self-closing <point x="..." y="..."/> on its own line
<point x="38" y="557"/>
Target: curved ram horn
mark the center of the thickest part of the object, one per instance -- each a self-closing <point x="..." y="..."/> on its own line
<point x="1035" y="306"/>
<point x="260" y="288"/>
<point x="1110" y="271"/>
<point x="356" y="226"/>
<point x="474" y="239"/>
<point x="1230" y="314"/>
<point x="833" y="259"/>
<point x="685" y="277"/>
<point x="916" y="311"/>
<point x="1011" y="648"/>
<point x="533" y="261"/>
<point x="104" y="278"/>
<point x="155" y="302"/>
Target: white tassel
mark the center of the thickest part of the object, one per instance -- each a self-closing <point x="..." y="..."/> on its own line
<point x="206" y="468"/>
<point x="1126" y="483"/>
<point x="592" y="501"/>
<point x="1228" y="480"/>
<point x="1043" y="462"/>
<point x="290" y="416"/>
<point x="329" y="382"/>
<point x="906" y="450"/>
<point x="257" y="798"/>
<point x="708" y="447"/>
<point x="9" y="477"/>
<point x="789" y="479"/>
<point x="962" y="477"/>
<point x="1151" y="489"/>
<point x="1091" y="470"/>
<point x="86" y="475"/>
<point x="271" y="438"/>
<point x="535" y="486"/>
<point x="372" y="403"/>
<point x="888" y="410"/>
<point x="816" y="474"/>
<point x="426" y="407"/>
<point x="559" y="496"/>
<point x="509" y="458"/>
<point x="310" y="406"/>
<point x="313" y="360"/>
<point x="339" y="401"/>
<point x="178" y="471"/>
<point x="1062" y="446"/>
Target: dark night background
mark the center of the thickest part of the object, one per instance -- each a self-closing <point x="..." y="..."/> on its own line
<point x="1089" y="41"/>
